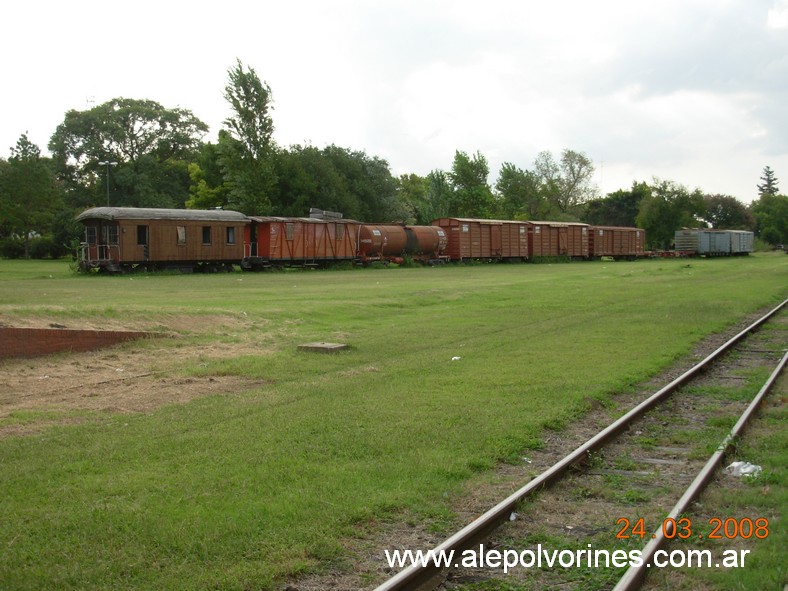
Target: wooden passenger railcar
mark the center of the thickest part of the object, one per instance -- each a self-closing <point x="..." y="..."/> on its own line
<point x="125" y="238"/>
<point x="481" y="239"/>
<point x="283" y="242"/>
<point x="558" y="239"/>
<point x="617" y="242"/>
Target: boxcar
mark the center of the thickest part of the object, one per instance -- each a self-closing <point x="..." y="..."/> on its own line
<point x="742" y="242"/>
<point x="552" y="239"/>
<point x="393" y="242"/>
<point x="304" y="242"/>
<point x="484" y="239"/>
<point x="708" y="242"/>
<point x="616" y="242"/>
<point x="124" y="238"/>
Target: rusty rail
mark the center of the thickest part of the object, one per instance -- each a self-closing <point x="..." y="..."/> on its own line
<point x="421" y="577"/>
<point x="634" y="575"/>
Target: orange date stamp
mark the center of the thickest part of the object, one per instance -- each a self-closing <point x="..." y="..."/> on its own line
<point x="721" y="529"/>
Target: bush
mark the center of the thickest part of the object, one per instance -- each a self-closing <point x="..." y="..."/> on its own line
<point x="40" y="248"/>
<point x="12" y="248"/>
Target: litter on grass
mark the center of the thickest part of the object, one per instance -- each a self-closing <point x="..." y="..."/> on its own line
<point x="743" y="469"/>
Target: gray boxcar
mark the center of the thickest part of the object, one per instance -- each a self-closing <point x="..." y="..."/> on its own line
<point x="708" y="242"/>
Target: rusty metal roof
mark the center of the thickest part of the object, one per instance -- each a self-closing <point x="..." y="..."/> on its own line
<point x="149" y="213"/>
<point x="271" y="218"/>
<point x="556" y="224"/>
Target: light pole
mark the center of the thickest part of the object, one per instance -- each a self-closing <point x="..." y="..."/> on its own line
<point x="108" y="164"/>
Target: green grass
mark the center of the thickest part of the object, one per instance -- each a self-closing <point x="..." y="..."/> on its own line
<point x="764" y="442"/>
<point x="237" y="492"/>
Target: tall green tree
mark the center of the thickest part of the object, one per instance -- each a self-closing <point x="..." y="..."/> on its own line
<point x="473" y="196"/>
<point x="768" y="186"/>
<point x="577" y="173"/>
<point x="771" y="216"/>
<point x="29" y="194"/>
<point x="246" y="143"/>
<point x="337" y="179"/>
<point x="369" y="182"/>
<point x="412" y="195"/>
<point x="207" y="188"/>
<point x="440" y="196"/>
<point x="567" y="183"/>
<point x="619" y="208"/>
<point x="519" y="194"/>
<point x="305" y="178"/>
<point x="151" y="144"/>
<point x="667" y="208"/>
<point x="726" y="212"/>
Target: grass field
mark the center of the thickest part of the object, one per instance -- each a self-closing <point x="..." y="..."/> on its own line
<point x="237" y="491"/>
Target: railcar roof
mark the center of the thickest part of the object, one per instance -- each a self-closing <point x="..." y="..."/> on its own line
<point x="617" y="227"/>
<point x="496" y="222"/>
<point x="482" y="221"/>
<point x="556" y="224"/>
<point x="270" y="218"/>
<point x="149" y="213"/>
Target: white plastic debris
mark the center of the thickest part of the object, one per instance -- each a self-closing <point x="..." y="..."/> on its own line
<point x="455" y="358"/>
<point x="744" y="469"/>
<point x="513" y="516"/>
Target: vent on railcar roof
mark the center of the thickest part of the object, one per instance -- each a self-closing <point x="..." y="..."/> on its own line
<point x="322" y="214"/>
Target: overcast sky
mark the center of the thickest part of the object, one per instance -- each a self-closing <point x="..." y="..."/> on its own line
<point x="693" y="91"/>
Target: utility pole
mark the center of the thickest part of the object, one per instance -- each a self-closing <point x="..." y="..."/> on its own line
<point x="108" y="164"/>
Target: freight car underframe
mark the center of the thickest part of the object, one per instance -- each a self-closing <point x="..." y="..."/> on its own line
<point x="107" y="261"/>
<point x="256" y="263"/>
<point x="428" y="260"/>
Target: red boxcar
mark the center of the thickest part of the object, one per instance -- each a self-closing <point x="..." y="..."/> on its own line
<point x="484" y="239"/>
<point x="552" y="239"/>
<point x="284" y="242"/>
<point x="391" y="242"/>
<point x="617" y="242"/>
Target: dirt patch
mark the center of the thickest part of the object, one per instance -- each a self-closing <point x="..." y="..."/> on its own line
<point x="73" y="387"/>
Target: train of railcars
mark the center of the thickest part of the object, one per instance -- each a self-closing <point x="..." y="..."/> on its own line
<point x="708" y="242"/>
<point x="122" y="239"/>
<point x="483" y="239"/>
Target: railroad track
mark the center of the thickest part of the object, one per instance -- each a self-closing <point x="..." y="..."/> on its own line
<point x="641" y="471"/>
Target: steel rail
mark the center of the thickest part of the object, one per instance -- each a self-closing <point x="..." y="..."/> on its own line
<point x="423" y="576"/>
<point x="634" y="575"/>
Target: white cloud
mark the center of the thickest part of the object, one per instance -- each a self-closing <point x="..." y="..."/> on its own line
<point x="778" y="15"/>
<point x="688" y="90"/>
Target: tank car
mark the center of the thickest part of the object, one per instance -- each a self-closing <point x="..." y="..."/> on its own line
<point x="394" y="242"/>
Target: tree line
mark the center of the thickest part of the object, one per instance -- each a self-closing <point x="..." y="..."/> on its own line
<point x="137" y="153"/>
